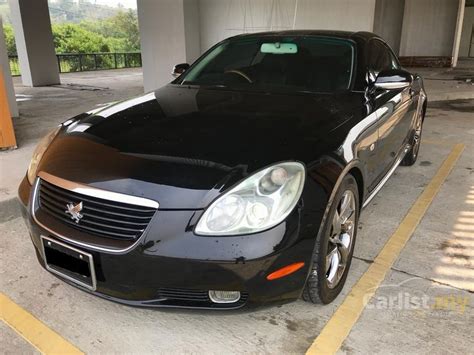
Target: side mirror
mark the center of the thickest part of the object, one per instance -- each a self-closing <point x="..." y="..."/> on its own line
<point x="393" y="79"/>
<point x="179" y="69"/>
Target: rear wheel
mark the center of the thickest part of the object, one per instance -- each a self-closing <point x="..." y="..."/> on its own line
<point x="333" y="252"/>
<point x="412" y="154"/>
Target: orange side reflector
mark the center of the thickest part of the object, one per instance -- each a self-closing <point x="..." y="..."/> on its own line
<point x="284" y="271"/>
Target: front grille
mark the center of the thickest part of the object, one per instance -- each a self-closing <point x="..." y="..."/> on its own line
<point x="182" y="297"/>
<point x="103" y="218"/>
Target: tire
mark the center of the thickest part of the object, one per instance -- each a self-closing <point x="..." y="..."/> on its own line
<point x="415" y="142"/>
<point x="318" y="288"/>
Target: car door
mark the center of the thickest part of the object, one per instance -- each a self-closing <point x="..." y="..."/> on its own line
<point x="394" y="108"/>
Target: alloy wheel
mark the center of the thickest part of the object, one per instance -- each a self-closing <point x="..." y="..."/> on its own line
<point x="340" y="239"/>
<point x="417" y="137"/>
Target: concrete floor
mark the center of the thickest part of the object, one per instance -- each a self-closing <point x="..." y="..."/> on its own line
<point x="448" y="83"/>
<point x="437" y="262"/>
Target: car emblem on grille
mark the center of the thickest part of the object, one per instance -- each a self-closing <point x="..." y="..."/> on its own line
<point x="74" y="211"/>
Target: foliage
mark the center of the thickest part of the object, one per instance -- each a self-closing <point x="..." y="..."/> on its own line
<point x="71" y="38"/>
<point x="121" y="29"/>
<point x="9" y="39"/>
<point x="118" y="33"/>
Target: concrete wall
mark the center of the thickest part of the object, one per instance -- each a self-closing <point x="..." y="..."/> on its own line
<point x="191" y="30"/>
<point x="428" y="28"/>
<point x="169" y="34"/>
<point x="388" y="20"/>
<point x="223" y="18"/>
<point x="5" y="68"/>
<point x="466" y="33"/>
<point x="175" y="31"/>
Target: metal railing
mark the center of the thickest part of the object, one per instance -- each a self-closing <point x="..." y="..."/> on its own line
<point x="77" y="62"/>
<point x="14" y="65"/>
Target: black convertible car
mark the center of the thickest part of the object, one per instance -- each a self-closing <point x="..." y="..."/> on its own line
<point x="240" y="183"/>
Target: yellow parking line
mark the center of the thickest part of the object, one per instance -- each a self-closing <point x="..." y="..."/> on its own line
<point x="438" y="142"/>
<point x="46" y="340"/>
<point x="339" y="326"/>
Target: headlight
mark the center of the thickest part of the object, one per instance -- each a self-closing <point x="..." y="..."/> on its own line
<point x="259" y="202"/>
<point x="38" y="154"/>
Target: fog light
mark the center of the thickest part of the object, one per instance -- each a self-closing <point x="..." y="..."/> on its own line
<point x="224" y="296"/>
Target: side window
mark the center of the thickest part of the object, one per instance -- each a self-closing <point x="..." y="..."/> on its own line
<point x="393" y="59"/>
<point x="380" y="57"/>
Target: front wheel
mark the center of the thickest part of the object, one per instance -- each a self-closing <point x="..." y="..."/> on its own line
<point x="334" y="247"/>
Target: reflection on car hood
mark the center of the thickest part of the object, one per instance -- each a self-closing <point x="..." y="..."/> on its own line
<point x="182" y="145"/>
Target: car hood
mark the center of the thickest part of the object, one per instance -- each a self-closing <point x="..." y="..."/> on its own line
<point x="182" y="145"/>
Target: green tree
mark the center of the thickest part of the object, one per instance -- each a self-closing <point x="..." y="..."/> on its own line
<point x="127" y="24"/>
<point x="118" y="33"/>
<point x="121" y="29"/>
<point x="71" y="38"/>
<point x="9" y="39"/>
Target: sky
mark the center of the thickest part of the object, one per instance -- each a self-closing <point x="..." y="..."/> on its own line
<point x="131" y="4"/>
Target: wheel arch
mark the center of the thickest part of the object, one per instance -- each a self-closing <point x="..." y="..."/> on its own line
<point x="357" y="174"/>
<point x="355" y="169"/>
<point x="425" y="106"/>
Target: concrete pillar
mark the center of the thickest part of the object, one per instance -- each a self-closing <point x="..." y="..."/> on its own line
<point x="169" y="34"/>
<point x="7" y="78"/>
<point x="8" y="107"/>
<point x="7" y="133"/>
<point x="458" y="32"/>
<point x="388" y="20"/>
<point x="467" y="24"/>
<point x="34" y="42"/>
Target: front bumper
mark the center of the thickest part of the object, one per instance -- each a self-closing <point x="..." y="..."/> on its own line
<point x="169" y="266"/>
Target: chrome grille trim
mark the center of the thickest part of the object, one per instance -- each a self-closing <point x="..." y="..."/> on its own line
<point x="34" y="206"/>
<point x="98" y="193"/>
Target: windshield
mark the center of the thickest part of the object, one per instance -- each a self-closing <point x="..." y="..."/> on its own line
<point x="310" y="63"/>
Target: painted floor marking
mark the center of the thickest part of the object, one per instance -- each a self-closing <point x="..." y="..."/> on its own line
<point x="46" y="340"/>
<point x="448" y="143"/>
<point x="340" y="324"/>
